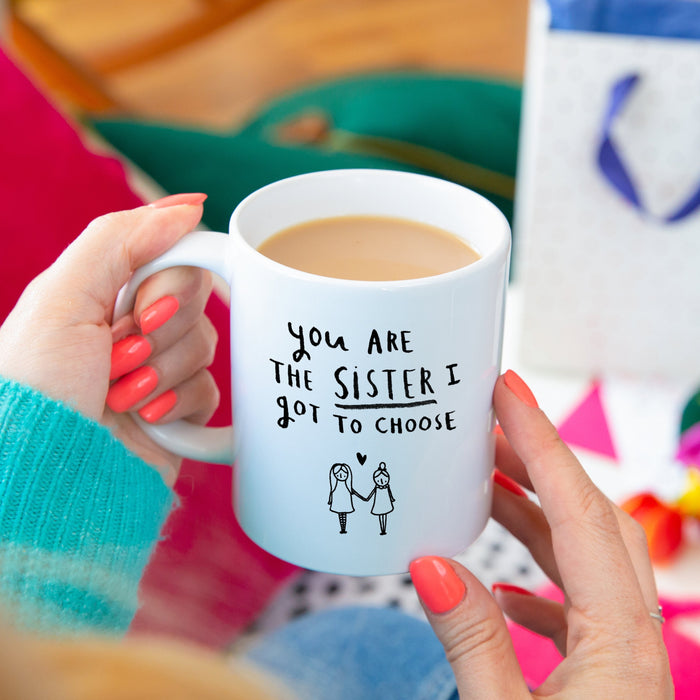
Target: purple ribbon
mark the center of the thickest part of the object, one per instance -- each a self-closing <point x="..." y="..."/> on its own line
<point x="613" y="167"/>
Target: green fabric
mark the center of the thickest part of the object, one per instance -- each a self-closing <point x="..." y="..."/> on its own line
<point x="691" y="413"/>
<point x="456" y="127"/>
<point x="79" y="516"/>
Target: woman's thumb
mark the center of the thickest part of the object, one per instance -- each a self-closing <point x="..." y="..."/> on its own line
<point x="103" y="257"/>
<point x="470" y="625"/>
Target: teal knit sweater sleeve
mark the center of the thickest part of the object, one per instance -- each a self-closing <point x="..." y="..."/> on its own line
<point x="79" y="517"/>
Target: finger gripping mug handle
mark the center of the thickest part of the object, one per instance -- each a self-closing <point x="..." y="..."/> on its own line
<point x="209" y="250"/>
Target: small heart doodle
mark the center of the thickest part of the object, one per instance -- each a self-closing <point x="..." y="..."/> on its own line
<point x="361" y="458"/>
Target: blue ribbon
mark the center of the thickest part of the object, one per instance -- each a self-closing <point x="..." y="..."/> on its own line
<point x="613" y="167"/>
<point x="673" y="19"/>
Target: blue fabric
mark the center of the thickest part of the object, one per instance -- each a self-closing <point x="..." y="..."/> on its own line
<point x="367" y="653"/>
<point x="678" y="19"/>
<point x="79" y="516"/>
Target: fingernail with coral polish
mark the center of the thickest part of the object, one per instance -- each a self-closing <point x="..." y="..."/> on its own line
<point x="510" y="588"/>
<point x="128" y="354"/>
<point x="131" y="389"/>
<point x="156" y="409"/>
<point x="519" y="388"/>
<point x="507" y="483"/>
<point x="437" y="583"/>
<point x="157" y="314"/>
<point x="174" y="200"/>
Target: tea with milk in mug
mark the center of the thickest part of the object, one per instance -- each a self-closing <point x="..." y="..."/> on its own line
<point x="370" y="248"/>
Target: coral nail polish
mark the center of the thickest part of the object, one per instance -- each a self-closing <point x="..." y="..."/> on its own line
<point x="507" y="483"/>
<point x="510" y="588"/>
<point x="157" y="314"/>
<point x="437" y="583"/>
<point x="174" y="200"/>
<point x="128" y="354"/>
<point x="515" y="383"/>
<point x="132" y="388"/>
<point x="156" y="409"/>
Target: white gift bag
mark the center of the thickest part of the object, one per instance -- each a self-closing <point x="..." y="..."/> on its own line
<point x="607" y="226"/>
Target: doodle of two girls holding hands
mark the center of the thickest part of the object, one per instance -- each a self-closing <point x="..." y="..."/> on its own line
<point x="342" y="491"/>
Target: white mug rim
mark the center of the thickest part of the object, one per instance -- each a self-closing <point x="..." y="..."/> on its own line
<point x="501" y="229"/>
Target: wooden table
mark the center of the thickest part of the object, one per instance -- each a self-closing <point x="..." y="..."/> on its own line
<point x="269" y="47"/>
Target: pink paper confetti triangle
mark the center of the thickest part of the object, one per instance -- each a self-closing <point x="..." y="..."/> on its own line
<point x="689" y="446"/>
<point x="587" y="426"/>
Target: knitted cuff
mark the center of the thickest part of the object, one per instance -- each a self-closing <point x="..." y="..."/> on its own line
<point x="79" y="516"/>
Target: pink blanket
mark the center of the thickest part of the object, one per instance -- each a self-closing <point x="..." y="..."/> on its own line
<point x="207" y="580"/>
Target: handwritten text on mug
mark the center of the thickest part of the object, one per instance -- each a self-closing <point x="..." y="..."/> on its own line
<point x="377" y="389"/>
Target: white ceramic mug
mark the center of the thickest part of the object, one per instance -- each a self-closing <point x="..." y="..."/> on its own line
<point x="349" y="390"/>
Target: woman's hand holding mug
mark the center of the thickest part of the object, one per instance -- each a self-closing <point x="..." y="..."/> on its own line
<point x="608" y="629"/>
<point x="62" y="340"/>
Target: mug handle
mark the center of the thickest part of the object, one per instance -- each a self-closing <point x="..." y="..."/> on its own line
<point x="210" y="250"/>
